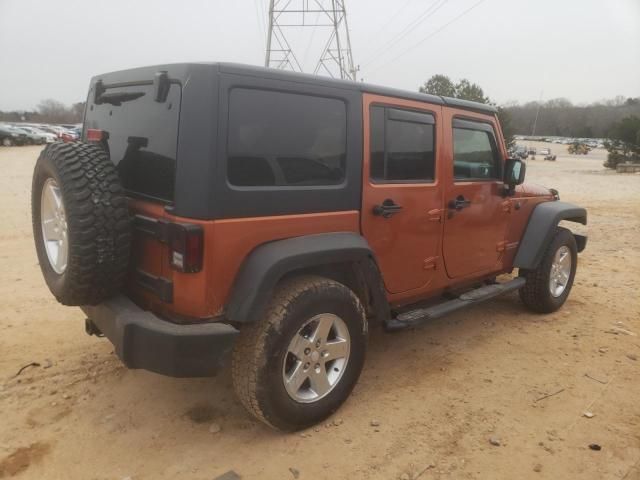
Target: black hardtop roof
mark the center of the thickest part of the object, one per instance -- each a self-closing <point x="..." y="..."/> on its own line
<point x="183" y="70"/>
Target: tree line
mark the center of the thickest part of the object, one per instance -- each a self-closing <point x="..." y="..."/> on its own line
<point x="47" y="111"/>
<point x="557" y="117"/>
<point x="617" y="120"/>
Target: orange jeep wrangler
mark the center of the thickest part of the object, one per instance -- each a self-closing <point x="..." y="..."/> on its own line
<point x="219" y="210"/>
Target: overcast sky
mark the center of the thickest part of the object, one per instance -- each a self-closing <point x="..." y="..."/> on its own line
<point x="584" y="50"/>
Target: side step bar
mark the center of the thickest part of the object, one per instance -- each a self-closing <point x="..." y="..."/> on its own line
<point x="472" y="297"/>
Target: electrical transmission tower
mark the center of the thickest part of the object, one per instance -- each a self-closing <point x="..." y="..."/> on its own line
<point x="285" y="16"/>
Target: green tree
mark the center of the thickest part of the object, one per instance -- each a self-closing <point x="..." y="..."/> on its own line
<point x="624" y="143"/>
<point x="465" y="90"/>
<point x="470" y="91"/>
<point x="439" y="85"/>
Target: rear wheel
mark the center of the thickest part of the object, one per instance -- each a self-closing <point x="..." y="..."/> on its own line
<point x="548" y="285"/>
<point x="80" y="223"/>
<point x="299" y="363"/>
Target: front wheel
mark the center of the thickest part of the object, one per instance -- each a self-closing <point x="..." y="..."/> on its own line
<point x="298" y="364"/>
<point x="549" y="284"/>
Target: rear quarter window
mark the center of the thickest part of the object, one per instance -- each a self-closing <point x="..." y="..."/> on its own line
<point x="279" y="139"/>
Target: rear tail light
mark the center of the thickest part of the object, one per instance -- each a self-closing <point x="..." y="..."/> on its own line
<point x="95" y="135"/>
<point x="186" y="247"/>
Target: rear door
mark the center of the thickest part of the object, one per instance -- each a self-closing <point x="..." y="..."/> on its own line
<point x="477" y="210"/>
<point x="402" y="196"/>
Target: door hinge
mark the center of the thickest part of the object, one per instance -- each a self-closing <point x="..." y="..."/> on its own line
<point x="435" y="215"/>
<point x="430" y="263"/>
<point x="501" y="246"/>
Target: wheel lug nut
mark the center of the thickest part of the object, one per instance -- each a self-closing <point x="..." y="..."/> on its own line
<point x="325" y="353"/>
<point x="307" y="351"/>
<point x="306" y="366"/>
<point x="318" y="344"/>
<point x="317" y="367"/>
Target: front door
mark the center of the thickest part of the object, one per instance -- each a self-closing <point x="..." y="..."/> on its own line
<point x="402" y="196"/>
<point x="476" y="209"/>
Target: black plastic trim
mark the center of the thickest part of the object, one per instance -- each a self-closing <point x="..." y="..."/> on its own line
<point x="143" y="340"/>
<point x="161" y="287"/>
<point x="542" y="227"/>
<point x="268" y="263"/>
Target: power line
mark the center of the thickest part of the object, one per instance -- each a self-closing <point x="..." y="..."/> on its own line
<point x="393" y="17"/>
<point x="415" y="23"/>
<point x="417" y="44"/>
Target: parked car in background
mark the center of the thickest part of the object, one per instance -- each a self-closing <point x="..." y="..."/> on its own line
<point x="33" y="137"/>
<point x="10" y="136"/>
<point x="545" y="151"/>
<point x="70" y="136"/>
<point x="521" y="152"/>
<point x="55" y="129"/>
<point x="48" y="136"/>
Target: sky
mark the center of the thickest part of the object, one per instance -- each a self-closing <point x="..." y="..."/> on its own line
<point x="516" y="50"/>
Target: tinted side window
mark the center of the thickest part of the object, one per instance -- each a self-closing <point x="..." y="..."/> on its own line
<point x="402" y="145"/>
<point x="285" y="139"/>
<point x="474" y="155"/>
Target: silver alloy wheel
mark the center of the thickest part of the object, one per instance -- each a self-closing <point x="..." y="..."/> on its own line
<point x="316" y="358"/>
<point x="560" y="271"/>
<point x="54" y="226"/>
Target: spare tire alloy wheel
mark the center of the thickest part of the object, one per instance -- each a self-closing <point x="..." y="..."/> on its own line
<point x="316" y="358"/>
<point x="81" y="223"/>
<point x="54" y="226"/>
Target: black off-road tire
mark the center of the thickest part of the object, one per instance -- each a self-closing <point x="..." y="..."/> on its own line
<point x="97" y="220"/>
<point x="260" y="350"/>
<point x="536" y="294"/>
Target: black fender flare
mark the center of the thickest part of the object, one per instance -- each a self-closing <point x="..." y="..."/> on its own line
<point x="541" y="228"/>
<point x="268" y="263"/>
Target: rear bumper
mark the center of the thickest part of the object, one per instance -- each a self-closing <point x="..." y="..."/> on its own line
<point x="143" y="340"/>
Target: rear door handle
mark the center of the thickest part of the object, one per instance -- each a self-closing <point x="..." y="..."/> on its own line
<point x="387" y="209"/>
<point x="459" y="203"/>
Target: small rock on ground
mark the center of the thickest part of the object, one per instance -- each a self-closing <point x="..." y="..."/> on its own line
<point x="495" y="441"/>
<point x="214" y="428"/>
<point x="230" y="475"/>
<point x="295" y="472"/>
<point x="374" y="423"/>
<point x="588" y="414"/>
<point x="537" y="467"/>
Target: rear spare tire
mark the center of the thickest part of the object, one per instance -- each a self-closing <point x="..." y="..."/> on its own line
<point x="81" y="224"/>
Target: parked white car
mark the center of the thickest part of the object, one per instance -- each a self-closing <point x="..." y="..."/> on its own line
<point x="36" y="135"/>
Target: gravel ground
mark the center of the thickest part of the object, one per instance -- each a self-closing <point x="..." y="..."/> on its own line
<point x="490" y="393"/>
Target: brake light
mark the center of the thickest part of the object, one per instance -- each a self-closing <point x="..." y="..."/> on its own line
<point x="186" y="247"/>
<point x="95" y="135"/>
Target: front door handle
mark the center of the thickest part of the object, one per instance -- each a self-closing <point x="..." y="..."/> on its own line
<point x="459" y="203"/>
<point x="387" y="209"/>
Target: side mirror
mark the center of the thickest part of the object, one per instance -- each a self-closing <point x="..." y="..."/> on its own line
<point x="514" y="171"/>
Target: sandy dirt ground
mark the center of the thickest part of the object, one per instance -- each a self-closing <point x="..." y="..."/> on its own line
<point x="437" y="394"/>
